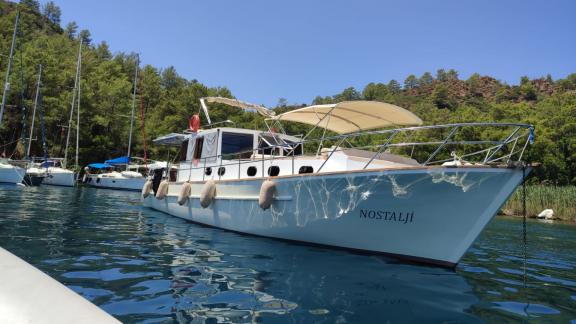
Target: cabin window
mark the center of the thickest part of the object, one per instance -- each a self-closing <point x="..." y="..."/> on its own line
<point x="237" y="145"/>
<point x="221" y="171"/>
<point x="270" y="145"/>
<point x="198" y="148"/>
<point x="251" y="171"/>
<point x="273" y="170"/>
<point x="173" y="175"/>
<point x="292" y="146"/>
<point x="208" y="171"/>
<point x="183" y="150"/>
<point x="305" y="169"/>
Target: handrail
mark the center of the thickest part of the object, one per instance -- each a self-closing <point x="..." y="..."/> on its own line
<point x="492" y="152"/>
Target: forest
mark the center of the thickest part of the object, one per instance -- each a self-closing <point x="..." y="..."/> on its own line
<point x="166" y="100"/>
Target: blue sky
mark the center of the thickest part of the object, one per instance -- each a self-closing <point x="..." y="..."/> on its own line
<point x="264" y="50"/>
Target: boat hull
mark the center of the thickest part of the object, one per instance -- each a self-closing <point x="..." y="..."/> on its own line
<point x="431" y="215"/>
<point x="10" y="174"/>
<point x="59" y="177"/>
<point x="132" y="184"/>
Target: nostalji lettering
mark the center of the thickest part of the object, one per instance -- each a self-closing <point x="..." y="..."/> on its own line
<point x="400" y="217"/>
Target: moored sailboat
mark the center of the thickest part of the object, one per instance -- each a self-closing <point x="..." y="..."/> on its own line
<point x="409" y="194"/>
<point x="10" y="173"/>
<point x="122" y="173"/>
<point x="57" y="171"/>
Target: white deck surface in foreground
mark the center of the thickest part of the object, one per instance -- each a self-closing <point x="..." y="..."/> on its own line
<point x="27" y="295"/>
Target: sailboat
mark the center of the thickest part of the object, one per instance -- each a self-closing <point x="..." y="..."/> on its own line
<point x="384" y="183"/>
<point x="57" y="173"/>
<point x="110" y="175"/>
<point x="34" y="174"/>
<point x="9" y="173"/>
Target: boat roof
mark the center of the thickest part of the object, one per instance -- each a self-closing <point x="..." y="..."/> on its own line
<point x="99" y="166"/>
<point x="171" y="139"/>
<point x="239" y="104"/>
<point x="176" y="139"/>
<point x="351" y="116"/>
<point x="118" y="160"/>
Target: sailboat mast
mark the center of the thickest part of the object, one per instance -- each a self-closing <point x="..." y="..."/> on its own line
<point x="78" y="108"/>
<point x="7" y="81"/>
<point x="133" y="105"/>
<point x="72" y="105"/>
<point x="34" y="110"/>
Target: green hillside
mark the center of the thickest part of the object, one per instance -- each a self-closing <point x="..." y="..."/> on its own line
<point x="168" y="99"/>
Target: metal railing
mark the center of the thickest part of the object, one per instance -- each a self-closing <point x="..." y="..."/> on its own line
<point x="510" y="148"/>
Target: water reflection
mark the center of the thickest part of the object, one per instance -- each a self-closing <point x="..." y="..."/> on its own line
<point x="144" y="266"/>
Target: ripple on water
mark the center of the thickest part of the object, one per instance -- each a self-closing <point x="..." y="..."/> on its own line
<point x="525" y="309"/>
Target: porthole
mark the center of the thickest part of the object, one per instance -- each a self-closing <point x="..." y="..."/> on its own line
<point x="97" y="180"/>
<point x="273" y="170"/>
<point x="221" y="171"/>
<point x="251" y="171"/>
<point x="305" y="169"/>
<point x="208" y="171"/>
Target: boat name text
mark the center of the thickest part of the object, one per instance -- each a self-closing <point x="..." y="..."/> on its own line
<point x="400" y="217"/>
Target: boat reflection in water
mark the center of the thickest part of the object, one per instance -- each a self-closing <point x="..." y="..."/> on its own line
<point x="213" y="275"/>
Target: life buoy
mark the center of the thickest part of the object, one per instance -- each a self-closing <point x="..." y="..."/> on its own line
<point x="146" y="189"/>
<point x="194" y="123"/>
<point x="267" y="193"/>
<point x="207" y="194"/>
<point x="184" y="194"/>
<point x="162" y="190"/>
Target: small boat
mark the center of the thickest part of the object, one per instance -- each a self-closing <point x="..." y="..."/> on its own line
<point x="422" y="193"/>
<point x="119" y="174"/>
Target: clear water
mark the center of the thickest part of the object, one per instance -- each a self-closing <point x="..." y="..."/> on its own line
<point x="144" y="266"/>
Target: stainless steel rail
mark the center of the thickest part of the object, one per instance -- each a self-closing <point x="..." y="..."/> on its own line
<point x="492" y="154"/>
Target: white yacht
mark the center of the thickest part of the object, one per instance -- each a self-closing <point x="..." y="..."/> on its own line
<point x="109" y="175"/>
<point x="56" y="175"/>
<point x="419" y="192"/>
<point x="11" y="174"/>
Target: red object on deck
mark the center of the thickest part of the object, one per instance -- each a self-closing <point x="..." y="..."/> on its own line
<point x="194" y="123"/>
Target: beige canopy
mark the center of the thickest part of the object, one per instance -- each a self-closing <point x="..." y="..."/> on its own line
<point x="352" y="116"/>
<point x="237" y="103"/>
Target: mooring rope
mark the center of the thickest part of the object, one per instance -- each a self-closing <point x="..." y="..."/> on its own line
<point x="524" y="216"/>
<point x="525" y="241"/>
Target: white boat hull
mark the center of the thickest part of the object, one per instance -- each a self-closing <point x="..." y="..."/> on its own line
<point x="59" y="177"/>
<point x="97" y="181"/>
<point x="11" y="174"/>
<point x="431" y="215"/>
